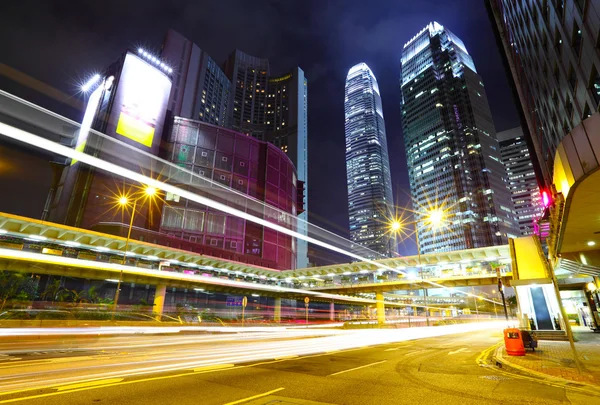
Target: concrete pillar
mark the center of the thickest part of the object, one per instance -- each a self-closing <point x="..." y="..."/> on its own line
<point x="159" y="299"/>
<point x="277" y="310"/>
<point x="380" y="308"/>
<point x="332" y="311"/>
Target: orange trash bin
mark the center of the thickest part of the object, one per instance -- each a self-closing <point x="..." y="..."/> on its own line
<point x="513" y="342"/>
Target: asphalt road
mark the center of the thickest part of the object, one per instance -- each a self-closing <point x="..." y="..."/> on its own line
<point x="439" y="370"/>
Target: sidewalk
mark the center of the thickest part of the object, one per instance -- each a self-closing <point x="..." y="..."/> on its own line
<point x="555" y="359"/>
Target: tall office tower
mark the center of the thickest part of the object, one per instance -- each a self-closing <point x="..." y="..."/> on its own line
<point x="452" y="153"/>
<point x="521" y="178"/>
<point x="370" y="203"/>
<point x="249" y="76"/>
<point x="200" y="88"/>
<point x="273" y="109"/>
<point x="551" y="48"/>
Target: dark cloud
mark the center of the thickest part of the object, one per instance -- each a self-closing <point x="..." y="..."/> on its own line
<point x="62" y="41"/>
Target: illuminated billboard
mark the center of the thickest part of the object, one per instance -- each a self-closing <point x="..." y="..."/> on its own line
<point x="88" y="119"/>
<point x="141" y="101"/>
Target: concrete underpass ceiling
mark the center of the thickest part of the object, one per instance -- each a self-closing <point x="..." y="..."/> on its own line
<point x="581" y="223"/>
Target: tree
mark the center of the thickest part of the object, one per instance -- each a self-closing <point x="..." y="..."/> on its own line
<point x="92" y="294"/>
<point x="78" y="296"/>
<point x="52" y="291"/>
<point x="10" y="284"/>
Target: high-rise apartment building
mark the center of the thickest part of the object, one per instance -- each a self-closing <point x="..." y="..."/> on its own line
<point x="522" y="181"/>
<point x="200" y="88"/>
<point x="551" y="49"/>
<point x="370" y="203"/>
<point x="247" y="108"/>
<point x="452" y="153"/>
<point x="272" y="109"/>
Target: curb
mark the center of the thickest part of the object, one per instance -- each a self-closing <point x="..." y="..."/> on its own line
<point x="500" y="361"/>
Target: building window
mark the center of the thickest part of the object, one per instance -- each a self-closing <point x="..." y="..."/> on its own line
<point x="576" y="39"/>
<point x="581" y="6"/>
<point x="572" y="79"/>
<point x="586" y="112"/>
<point x="595" y="85"/>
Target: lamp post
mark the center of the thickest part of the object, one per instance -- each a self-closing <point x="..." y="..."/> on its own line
<point x="434" y="217"/>
<point x="494" y="300"/>
<point x="149" y="192"/>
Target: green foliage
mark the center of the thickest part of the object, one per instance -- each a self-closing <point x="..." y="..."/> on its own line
<point x="15" y="286"/>
<point x="52" y="291"/>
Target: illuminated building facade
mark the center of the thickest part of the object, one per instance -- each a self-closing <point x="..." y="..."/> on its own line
<point x="452" y="153"/>
<point x="522" y="182"/>
<point x="247" y="165"/>
<point x="273" y="109"/>
<point x="551" y="49"/>
<point x="200" y="87"/>
<point x="127" y="102"/>
<point x="370" y="203"/>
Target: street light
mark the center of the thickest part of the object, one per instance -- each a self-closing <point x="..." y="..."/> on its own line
<point x="434" y="217"/>
<point x="149" y="192"/>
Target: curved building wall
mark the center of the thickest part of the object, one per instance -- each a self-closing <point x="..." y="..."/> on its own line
<point x="367" y="162"/>
<point x="245" y="164"/>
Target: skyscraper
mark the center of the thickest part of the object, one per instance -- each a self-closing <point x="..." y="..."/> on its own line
<point x="200" y="88"/>
<point x="370" y="202"/>
<point x="272" y="109"/>
<point x="551" y="49"/>
<point x="452" y="153"/>
<point x="521" y="178"/>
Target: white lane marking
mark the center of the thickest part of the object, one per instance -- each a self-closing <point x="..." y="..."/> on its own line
<point x="357" y="368"/>
<point x="459" y="351"/>
<point x="264" y="394"/>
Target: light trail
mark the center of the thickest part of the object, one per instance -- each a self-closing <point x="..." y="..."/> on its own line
<point x="31" y="139"/>
<point x="34" y="374"/>
<point x="193" y="278"/>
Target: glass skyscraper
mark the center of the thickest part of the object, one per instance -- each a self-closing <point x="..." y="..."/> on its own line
<point x="521" y="176"/>
<point x="369" y="183"/>
<point x="452" y="152"/>
<point x="551" y="49"/>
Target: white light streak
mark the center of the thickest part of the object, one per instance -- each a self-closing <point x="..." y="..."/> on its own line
<point x="39" y="142"/>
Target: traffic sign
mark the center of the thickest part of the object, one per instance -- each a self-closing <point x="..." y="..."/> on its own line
<point x="306" y="300"/>
<point x="244" y="302"/>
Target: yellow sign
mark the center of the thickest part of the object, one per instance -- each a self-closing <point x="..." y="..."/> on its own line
<point x="135" y="129"/>
<point x="56" y="252"/>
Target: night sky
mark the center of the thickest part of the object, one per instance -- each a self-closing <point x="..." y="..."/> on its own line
<point x="61" y="42"/>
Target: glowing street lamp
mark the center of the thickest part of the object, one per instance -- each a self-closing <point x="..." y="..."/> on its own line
<point x="149" y="192"/>
<point x="436" y="217"/>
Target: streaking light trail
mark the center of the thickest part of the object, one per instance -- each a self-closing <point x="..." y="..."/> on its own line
<point x="40" y="142"/>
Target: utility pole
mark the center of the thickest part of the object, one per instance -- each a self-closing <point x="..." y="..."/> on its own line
<point x="501" y="290"/>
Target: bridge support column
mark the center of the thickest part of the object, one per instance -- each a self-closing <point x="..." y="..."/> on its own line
<point x="277" y="310"/>
<point x="380" y="309"/>
<point x="332" y="311"/>
<point x="159" y="300"/>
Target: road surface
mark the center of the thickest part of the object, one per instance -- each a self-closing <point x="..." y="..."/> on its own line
<point x="436" y="370"/>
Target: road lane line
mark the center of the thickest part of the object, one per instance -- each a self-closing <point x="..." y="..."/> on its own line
<point x="89" y="384"/>
<point x="357" y="368"/>
<point x="415" y="352"/>
<point x="458" y="351"/>
<point x="213" y="367"/>
<point x="264" y="394"/>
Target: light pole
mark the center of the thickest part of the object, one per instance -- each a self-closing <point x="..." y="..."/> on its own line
<point x="435" y="218"/>
<point x="149" y="192"/>
<point x="494" y="299"/>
